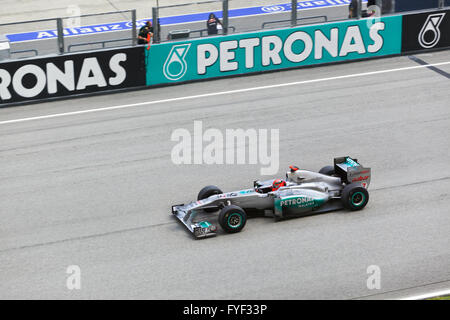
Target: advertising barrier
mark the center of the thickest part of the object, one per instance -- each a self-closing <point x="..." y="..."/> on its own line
<point x="273" y="50"/>
<point x="71" y="74"/>
<point x="221" y="56"/>
<point x="430" y="30"/>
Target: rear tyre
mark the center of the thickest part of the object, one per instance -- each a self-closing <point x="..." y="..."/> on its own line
<point x="328" y="170"/>
<point x="232" y="219"/>
<point x="206" y="192"/>
<point x="354" y="197"/>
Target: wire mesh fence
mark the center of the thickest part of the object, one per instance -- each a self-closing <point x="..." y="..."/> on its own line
<point x="31" y="38"/>
<point x="98" y="31"/>
<point x="70" y="34"/>
<point x="78" y="32"/>
<point x="188" y="20"/>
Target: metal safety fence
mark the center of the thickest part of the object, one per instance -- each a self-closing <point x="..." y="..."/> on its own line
<point x="234" y="17"/>
<point x="237" y="16"/>
<point x="189" y="20"/>
<point x="43" y="37"/>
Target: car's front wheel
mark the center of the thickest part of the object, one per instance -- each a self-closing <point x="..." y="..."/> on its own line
<point x="232" y="219"/>
<point x="206" y="192"/>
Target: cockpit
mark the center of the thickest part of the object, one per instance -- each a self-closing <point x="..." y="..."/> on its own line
<point x="269" y="185"/>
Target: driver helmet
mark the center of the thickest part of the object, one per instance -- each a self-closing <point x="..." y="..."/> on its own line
<point x="277" y="184"/>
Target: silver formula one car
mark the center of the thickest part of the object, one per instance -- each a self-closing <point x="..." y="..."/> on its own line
<point x="303" y="193"/>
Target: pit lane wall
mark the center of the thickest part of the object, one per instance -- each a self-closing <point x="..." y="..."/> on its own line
<point x="273" y="50"/>
<point x="72" y="74"/>
<point x="296" y="47"/>
<point x="202" y="59"/>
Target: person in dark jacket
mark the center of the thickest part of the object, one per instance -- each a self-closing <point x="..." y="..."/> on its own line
<point x="212" y="23"/>
<point x="145" y="32"/>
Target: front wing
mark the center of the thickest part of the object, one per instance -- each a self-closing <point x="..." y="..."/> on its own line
<point x="200" y="229"/>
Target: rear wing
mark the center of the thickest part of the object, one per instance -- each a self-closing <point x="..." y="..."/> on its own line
<point x="350" y="171"/>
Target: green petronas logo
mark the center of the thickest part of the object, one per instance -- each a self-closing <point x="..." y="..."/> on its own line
<point x="175" y="66"/>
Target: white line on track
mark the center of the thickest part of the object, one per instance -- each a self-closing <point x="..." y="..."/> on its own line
<point x="428" y="295"/>
<point x="213" y="94"/>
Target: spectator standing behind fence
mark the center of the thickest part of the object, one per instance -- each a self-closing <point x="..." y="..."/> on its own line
<point x="145" y="32"/>
<point x="211" y="24"/>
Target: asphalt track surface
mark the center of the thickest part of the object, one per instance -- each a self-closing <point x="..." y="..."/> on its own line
<point x="95" y="189"/>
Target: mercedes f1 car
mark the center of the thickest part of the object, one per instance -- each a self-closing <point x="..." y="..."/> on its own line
<point x="302" y="193"/>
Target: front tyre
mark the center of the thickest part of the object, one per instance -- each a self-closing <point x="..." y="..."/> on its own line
<point x="232" y="219"/>
<point x="354" y="197"/>
<point x="208" y="191"/>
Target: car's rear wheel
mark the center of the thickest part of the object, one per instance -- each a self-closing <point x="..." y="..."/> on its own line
<point x="328" y="170"/>
<point x="232" y="219"/>
<point x="206" y="192"/>
<point x="354" y="197"/>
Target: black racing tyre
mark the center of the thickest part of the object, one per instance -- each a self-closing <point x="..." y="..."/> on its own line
<point x="354" y="197"/>
<point x="328" y="170"/>
<point x="207" y="192"/>
<point x="232" y="219"/>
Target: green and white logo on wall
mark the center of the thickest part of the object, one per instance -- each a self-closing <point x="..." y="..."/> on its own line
<point x="270" y="50"/>
<point x="175" y="66"/>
